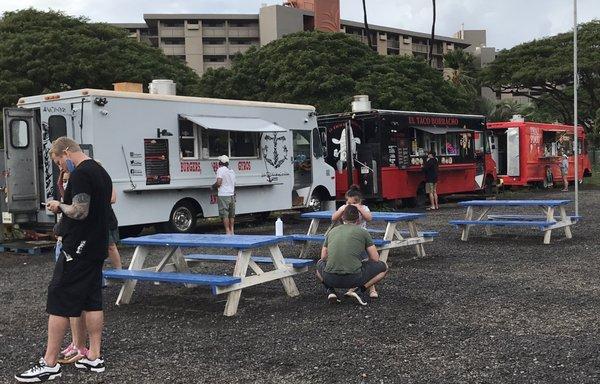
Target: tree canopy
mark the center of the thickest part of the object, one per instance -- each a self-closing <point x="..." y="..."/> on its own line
<point x="326" y="70"/>
<point x="542" y="70"/>
<point x="42" y="52"/>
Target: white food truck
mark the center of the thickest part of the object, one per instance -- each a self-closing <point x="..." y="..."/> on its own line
<point x="161" y="151"/>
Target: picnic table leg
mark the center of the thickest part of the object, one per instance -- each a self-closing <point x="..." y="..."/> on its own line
<point x="549" y="217"/>
<point x="488" y="230"/>
<point x="412" y="229"/>
<point x="241" y="267"/>
<point x="312" y="230"/>
<point x="137" y="262"/>
<point x="565" y="219"/>
<point x="288" y="282"/>
<point x="466" y="228"/>
<point x="181" y="265"/>
<point x="390" y="231"/>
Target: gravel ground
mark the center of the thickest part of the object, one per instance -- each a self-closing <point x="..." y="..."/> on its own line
<point x="505" y="309"/>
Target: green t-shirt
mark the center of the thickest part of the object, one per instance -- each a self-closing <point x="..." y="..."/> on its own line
<point x="345" y="245"/>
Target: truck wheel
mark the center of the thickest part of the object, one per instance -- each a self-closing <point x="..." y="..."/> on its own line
<point x="419" y="200"/>
<point x="130" y="231"/>
<point x="315" y="203"/>
<point x="490" y="187"/>
<point x="182" y="219"/>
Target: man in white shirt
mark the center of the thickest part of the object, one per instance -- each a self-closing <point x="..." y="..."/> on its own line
<point x="226" y="195"/>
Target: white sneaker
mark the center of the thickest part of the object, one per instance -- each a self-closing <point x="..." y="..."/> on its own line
<point x="91" y="365"/>
<point x="40" y="372"/>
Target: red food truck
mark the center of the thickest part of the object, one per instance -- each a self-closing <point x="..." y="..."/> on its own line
<point x="383" y="151"/>
<point x="528" y="153"/>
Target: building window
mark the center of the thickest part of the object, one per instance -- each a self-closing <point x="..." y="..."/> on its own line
<point x="214" y="23"/>
<point x="172" y="23"/>
<point x="233" y="144"/>
<point x="188" y="139"/>
<point x="214" y="59"/>
<point x="213" y="41"/>
<point x="173" y="40"/>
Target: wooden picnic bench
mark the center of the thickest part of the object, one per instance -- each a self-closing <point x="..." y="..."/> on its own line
<point x="546" y="222"/>
<point x="174" y="265"/>
<point x="393" y="237"/>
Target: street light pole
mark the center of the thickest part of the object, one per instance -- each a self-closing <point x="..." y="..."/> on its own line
<point x="575" y="85"/>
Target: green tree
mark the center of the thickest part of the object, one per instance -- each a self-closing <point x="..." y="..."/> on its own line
<point x="326" y="70"/>
<point x="542" y="70"/>
<point x="42" y="52"/>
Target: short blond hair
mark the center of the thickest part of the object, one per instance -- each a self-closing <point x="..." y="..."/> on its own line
<point x="64" y="144"/>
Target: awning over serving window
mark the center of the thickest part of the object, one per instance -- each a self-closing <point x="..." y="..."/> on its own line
<point x="237" y="124"/>
<point x="442" y="130"/>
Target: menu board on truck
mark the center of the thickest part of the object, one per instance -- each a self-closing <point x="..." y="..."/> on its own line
<point x="156" y="156"/>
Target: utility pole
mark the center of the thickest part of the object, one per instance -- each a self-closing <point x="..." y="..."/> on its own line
<point x="575" y="85"/>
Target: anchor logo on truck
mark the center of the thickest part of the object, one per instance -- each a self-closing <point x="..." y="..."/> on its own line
<point x="275" y="161"/>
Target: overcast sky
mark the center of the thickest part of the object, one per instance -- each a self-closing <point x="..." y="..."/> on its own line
<point x="508" y="22"/>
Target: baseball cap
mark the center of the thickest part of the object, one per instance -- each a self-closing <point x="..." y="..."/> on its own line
<point x="224" y="159"/>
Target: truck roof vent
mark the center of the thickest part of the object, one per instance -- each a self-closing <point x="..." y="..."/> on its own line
<point x="162" y="87"/>
<point x="361" y="103"/>
<point x="517" y="119"/>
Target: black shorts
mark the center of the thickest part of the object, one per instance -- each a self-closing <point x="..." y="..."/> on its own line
<point x="76" y="286"/>
<point x="369" y="270"/>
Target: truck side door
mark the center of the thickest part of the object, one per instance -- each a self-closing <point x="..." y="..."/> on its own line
<point x="21" y="134"/>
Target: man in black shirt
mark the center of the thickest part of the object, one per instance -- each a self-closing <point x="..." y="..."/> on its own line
<point x="75" y="289"/>
<point x="431" y="177"/>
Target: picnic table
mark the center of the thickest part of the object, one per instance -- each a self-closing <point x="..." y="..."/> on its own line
<point x="174" y="265"/>
<point x="545" y="222"/>
<point x="393" y="237"/>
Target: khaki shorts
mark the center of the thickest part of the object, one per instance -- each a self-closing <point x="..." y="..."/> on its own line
<point x="430" y="187"/>
<point x="226" y="206"/>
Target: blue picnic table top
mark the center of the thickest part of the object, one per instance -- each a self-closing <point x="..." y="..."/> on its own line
<point x="202" y="240"/>
<point x="513" y="203"/>
<point x="377" y="216"/>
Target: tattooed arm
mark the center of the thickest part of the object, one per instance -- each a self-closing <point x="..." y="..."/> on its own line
<point x="80" y="207"/>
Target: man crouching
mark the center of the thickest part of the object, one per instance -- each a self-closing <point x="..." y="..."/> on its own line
<point x="340" y="265"/>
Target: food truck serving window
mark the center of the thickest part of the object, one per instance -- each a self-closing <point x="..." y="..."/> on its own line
<point x="444" y="141"/>
<point x="232" y="144"/>
<point x="188" y="139"/>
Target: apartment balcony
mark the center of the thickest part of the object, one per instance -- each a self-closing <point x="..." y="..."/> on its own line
<point x="214" y="49"/>
<point x="174" y="49"/>
<point x="423" y="48"/>
<point x="393" y="44"/>
<point x="214" y="32"/>
<point x="216" y="65"/>
<point x="244" y="32"/>
<point x="239" y="48"/>
<point x="172" y="32"/>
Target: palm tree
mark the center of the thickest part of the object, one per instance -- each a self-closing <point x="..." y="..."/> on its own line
<point x="432" y="42"/>
<point x="367" y="24"/>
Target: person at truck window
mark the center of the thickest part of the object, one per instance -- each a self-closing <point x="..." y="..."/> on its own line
<point x="431" y="178"/>
<point x="226" y="193"/>
<point x="564" y="170"/>
<point x="340" y="265"/>
<point x="75" y="289"/>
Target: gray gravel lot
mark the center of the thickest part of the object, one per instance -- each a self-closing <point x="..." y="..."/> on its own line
<point x="505" y="309"/>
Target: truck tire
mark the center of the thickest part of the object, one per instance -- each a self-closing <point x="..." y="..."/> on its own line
<point x="183" y="218"/>
<point x="490" y="187"/>
<point x="315" y="203"/>
<point x="419" y="200"/>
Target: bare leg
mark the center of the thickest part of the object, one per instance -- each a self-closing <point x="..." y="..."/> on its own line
<point x="231" y="221"/>
<point x="94" y="321"/>
<point x="375" y="280"/>
<point x="226" y="225"/>
<point x="435" y="198"/>
<point x="57" y="326"/>
<point x="78" y="331"/>
<point x="114" y="256"/>
<point x="565" y="183"/>
<point x="431" y="201"/>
